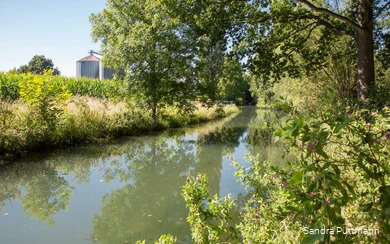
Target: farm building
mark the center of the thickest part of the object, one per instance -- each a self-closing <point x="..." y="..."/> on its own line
<point x="91" y="67"/>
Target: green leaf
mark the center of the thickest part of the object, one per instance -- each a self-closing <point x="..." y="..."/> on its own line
<point x="310" y="239"/>
<point x="297" y="178"/>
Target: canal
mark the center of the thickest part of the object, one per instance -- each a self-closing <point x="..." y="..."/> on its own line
<point x="128" y="190"/>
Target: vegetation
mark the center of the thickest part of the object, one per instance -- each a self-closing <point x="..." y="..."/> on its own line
<point x="323" y="64"/>
<point x="37" y="65"/>
<point x="39" y="111"/>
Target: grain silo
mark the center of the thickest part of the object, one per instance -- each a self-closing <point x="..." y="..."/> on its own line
<point x="105" y="73"/>
<point x="92" y="67"/>
<point x="88" y="67"/>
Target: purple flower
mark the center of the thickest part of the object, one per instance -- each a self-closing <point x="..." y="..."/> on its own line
<point x="372" y="114"/>
<point x="328" y="201"/>
<point x="349" y="116"/>
<point x="256" y="216"/>
<point x="388" y="136"/>
<point x="277" y="176"/>
<point x="312" y="194"/>
<point x="269" y="181"/>
<point x="310" y="145"/>
<point x="227" y="156"/>
<point x="285" y="184"/>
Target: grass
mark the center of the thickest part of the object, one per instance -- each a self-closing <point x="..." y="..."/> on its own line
<point x="87" y="120"/>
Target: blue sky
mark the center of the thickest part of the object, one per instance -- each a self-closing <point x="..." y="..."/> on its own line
<point x="58" y="29"/>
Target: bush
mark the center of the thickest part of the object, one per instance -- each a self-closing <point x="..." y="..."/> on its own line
<point x="340" y="181"/>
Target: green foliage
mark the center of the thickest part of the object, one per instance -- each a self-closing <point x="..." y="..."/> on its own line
<point x="45" y="95"/>
<point x="9" y="88"/>
<point x="144" y="37"/>
<point x="164" y="239"/>
<point x="209" y="217"/>
<point x="37" y="65"/>
<point x="381" y="93"/>
<point x="233" y="84"/>
<point x="113" y="89"/>
<point x="49" y="120"/>
<point x="339" y="179"/>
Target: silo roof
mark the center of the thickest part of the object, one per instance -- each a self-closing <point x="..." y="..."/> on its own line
<point x="89" y="58"/>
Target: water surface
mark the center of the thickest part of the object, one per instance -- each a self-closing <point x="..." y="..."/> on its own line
<point x="128" y="190"/>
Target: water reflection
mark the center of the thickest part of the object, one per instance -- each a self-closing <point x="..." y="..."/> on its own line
<point x="41" y="189"/>
<point x="129" y="190"/>
<point x="149" y="204"/>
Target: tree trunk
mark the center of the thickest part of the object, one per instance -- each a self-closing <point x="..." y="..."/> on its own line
<point x="154" y="111"/>
<point x="365" y="50"/>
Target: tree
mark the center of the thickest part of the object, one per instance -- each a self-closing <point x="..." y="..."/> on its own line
<point x="357" y="19"/>
<point x="233" y="84"/>
<point x="274" y="32"/>
<point x="155" y="48"/>
<point x="37" y="65"/>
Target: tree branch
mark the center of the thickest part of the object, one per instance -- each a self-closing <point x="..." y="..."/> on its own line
<point x="304" y="40"/>
<point x="380" y="11"/>
<point x="332" y="14"/>
<point x="333" y="28"/>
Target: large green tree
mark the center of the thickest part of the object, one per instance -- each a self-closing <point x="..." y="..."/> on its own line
<point x="276" y="32"/>
<point x="37" y="65"/>
<point x="290" y="24"/>
<point x="144" y="38"/>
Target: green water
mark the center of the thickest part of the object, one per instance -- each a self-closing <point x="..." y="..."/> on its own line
<point x="128" y="190"/>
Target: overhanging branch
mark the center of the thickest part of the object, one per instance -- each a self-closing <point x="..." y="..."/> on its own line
<point x="380" y="11"/>
<point x="332" y="14"/>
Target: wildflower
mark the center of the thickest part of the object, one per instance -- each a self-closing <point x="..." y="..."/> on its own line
<point x="388" y="136"/>
<point x="349" y="116"/>
<point x="328" y="201"/>
<point x="231" y="165"/>
<point x="256" y="216"/>
<point x="310" y="145"/>
<point x="372" y="114"/>
<point x="285" y="184"/>
<point x="227" y="156"/>
<point x="368" y="124"/>
<point x="277" y="176"/>
<point x="312" y="194"/>
<point x="197" y="178"/>
<point x="240" y="212"/>
<point x="269" y="181"/>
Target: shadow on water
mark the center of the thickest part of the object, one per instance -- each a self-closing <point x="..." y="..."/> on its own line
<point x="126" y="191"/>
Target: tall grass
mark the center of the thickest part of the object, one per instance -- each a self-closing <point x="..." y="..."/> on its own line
<point x="38" y="111"/>
<point x="86" y="120"/>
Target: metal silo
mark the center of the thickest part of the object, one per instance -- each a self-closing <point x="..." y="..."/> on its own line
<point x="88" y="67"/>
<point x="106" y="73"/>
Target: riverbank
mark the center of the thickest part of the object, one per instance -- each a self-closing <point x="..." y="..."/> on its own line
<point x="86" y="120"/>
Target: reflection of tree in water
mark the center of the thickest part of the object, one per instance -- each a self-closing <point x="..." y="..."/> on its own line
<point x="260" y="138"/>
<point x="212" y="146"/>
<point x="152" y="167"/>
<point x="151" y="203"/>
<point x="155" y="172"/>
<point x="41" y="189"/>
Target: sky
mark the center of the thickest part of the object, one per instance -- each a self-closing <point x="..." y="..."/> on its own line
<point x="58" y="29"/>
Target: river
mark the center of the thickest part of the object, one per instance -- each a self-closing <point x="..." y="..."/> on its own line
<point x="127" y="190"/>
